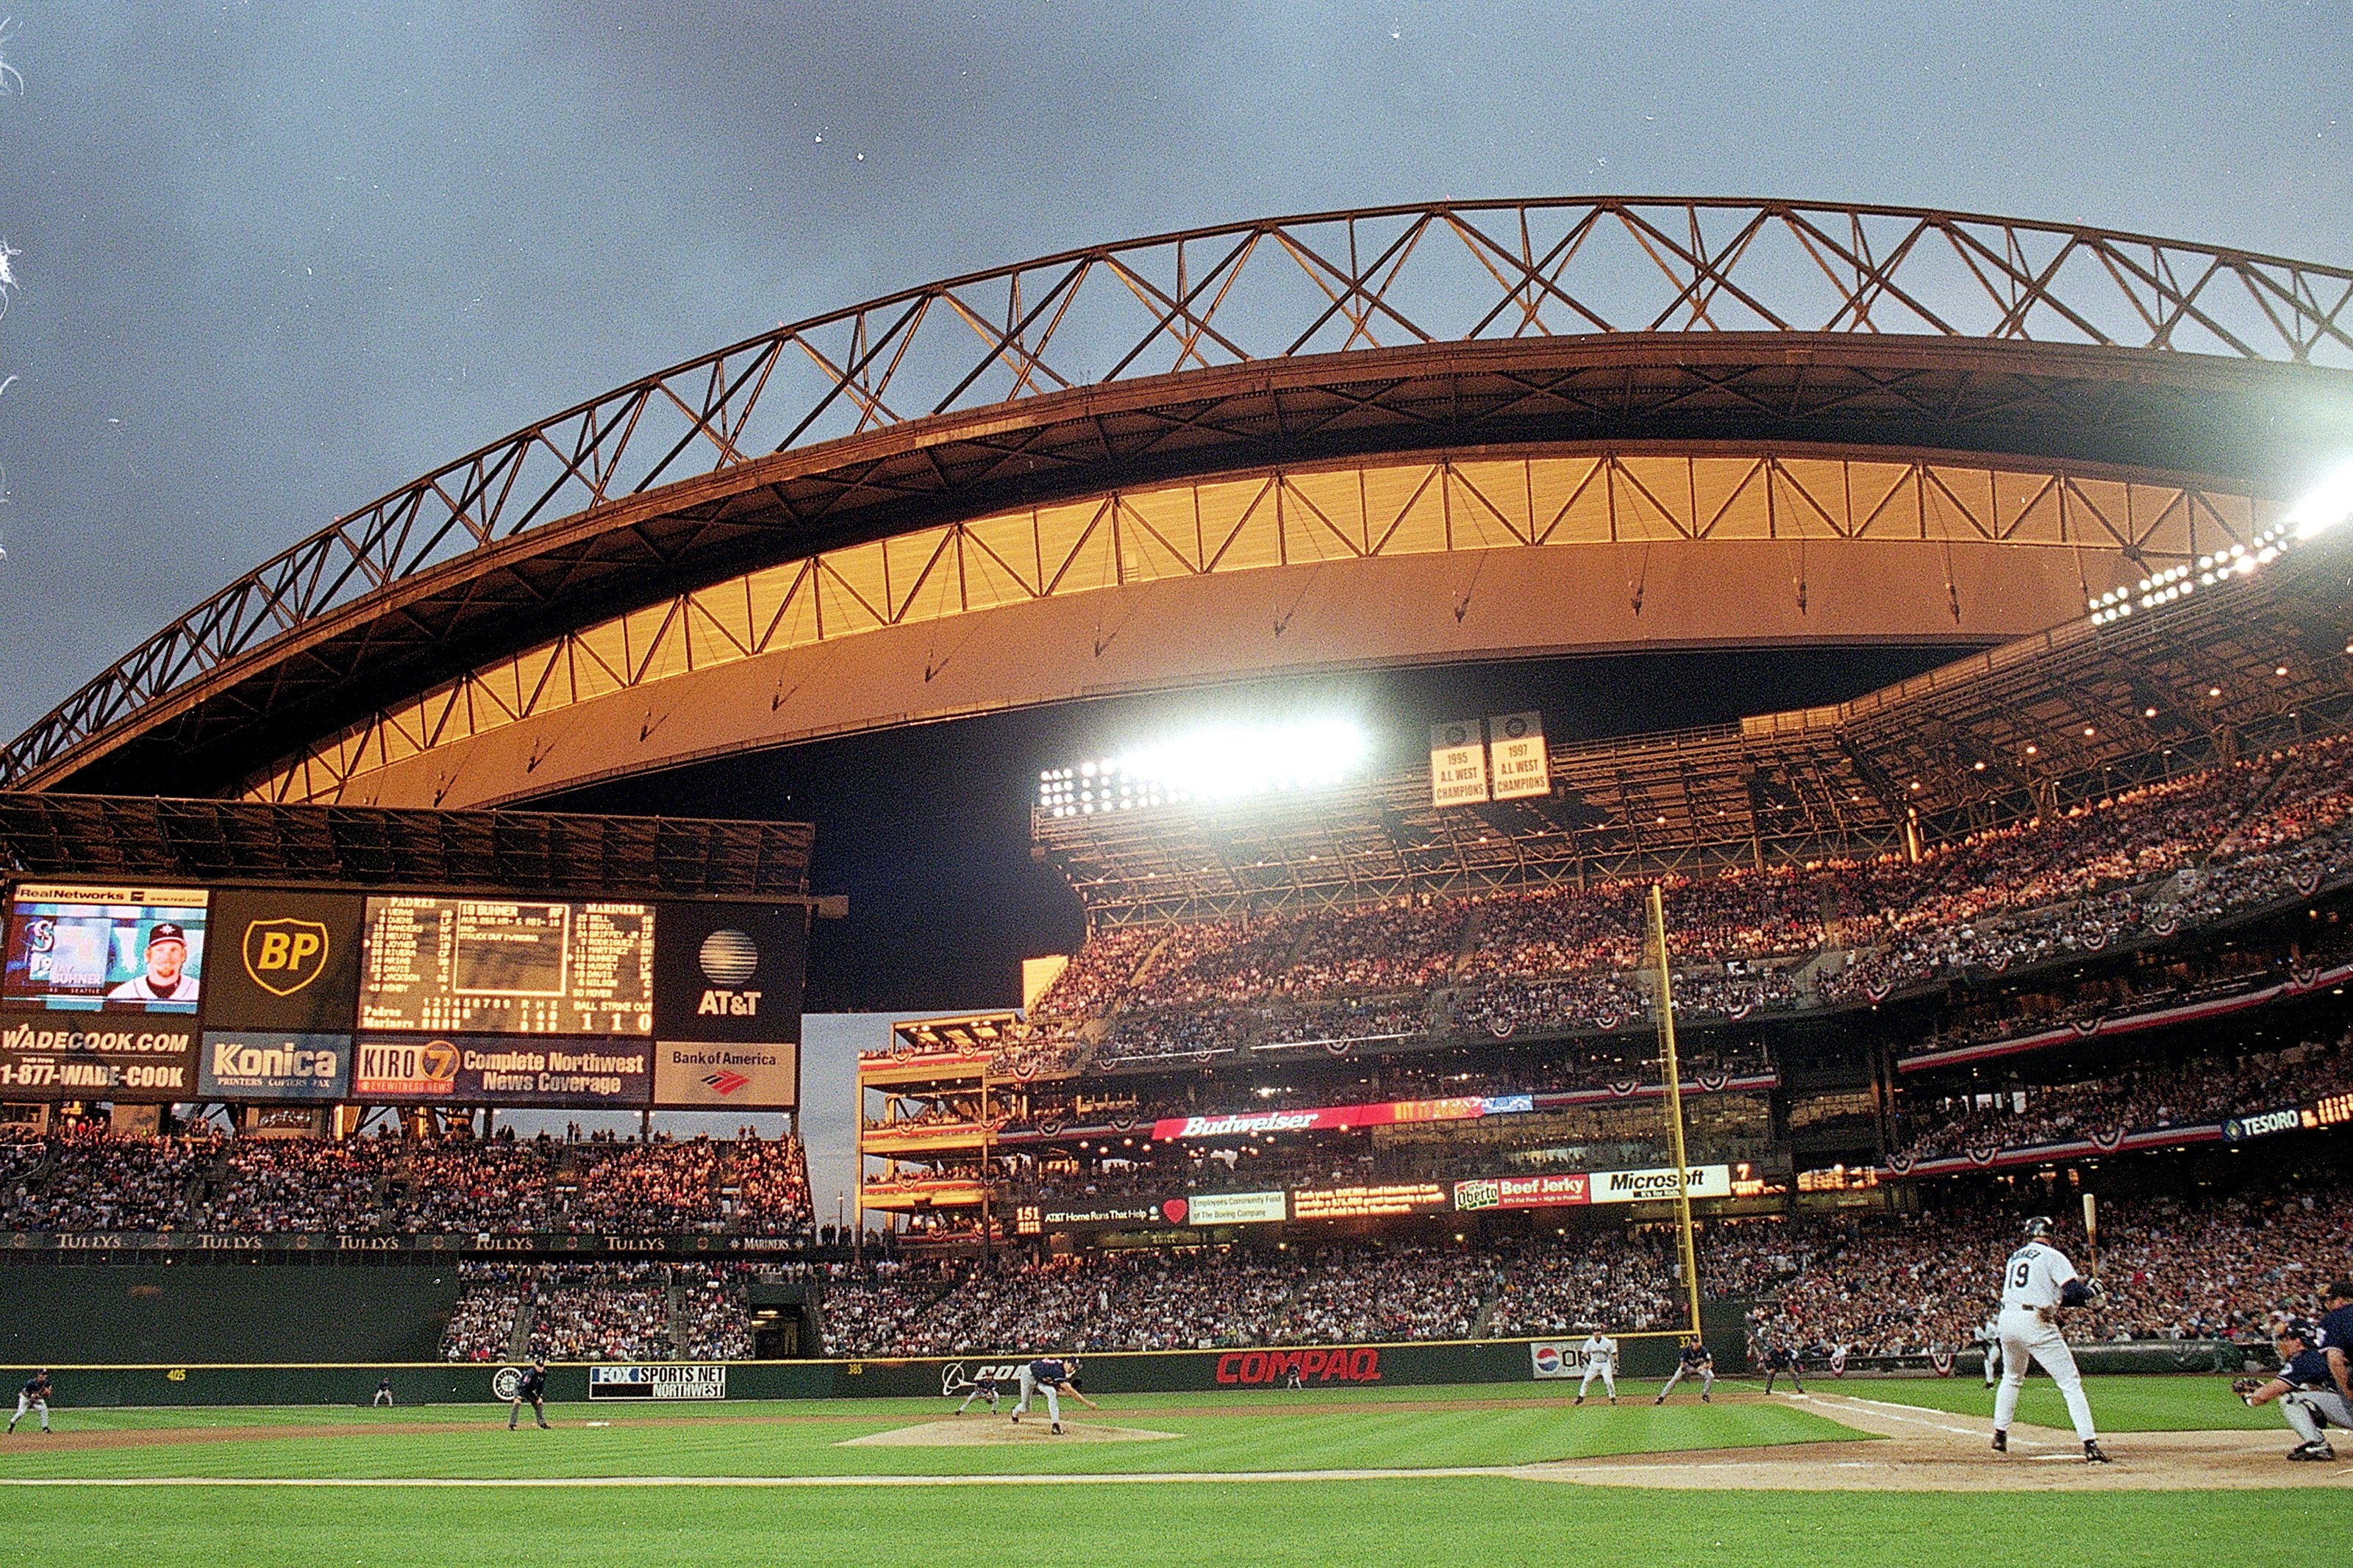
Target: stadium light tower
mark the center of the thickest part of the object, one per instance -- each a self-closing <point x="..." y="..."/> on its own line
<point x="2324" y="505"/>
<point x="1218" y="763"/>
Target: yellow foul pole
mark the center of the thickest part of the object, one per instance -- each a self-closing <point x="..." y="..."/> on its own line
<point x="1675" y="1079"/>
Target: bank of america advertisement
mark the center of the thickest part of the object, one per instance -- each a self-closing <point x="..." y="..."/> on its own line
<point x="743" y="1078"/>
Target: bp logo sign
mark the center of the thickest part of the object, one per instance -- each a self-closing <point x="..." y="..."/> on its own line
<point x="282" y="956"/>
<point x="506" y="1383"/>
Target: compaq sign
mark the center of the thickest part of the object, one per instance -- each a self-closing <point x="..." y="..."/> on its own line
<point x="728" y="959"/>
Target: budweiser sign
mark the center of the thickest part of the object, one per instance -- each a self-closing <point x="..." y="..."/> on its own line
<point x="1340" y="1117"/>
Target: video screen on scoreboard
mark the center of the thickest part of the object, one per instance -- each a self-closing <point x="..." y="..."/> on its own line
<point x="507" y="967"/>
<point x="115" y="949"/>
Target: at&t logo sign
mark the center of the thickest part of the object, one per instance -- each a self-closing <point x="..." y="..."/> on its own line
<point x="728" y="959"/>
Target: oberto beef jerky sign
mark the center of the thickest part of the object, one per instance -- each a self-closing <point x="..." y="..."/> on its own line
<point x="96" y="1056"/>
<point x="502" y="1069"/>
<point x="283" y="960"/>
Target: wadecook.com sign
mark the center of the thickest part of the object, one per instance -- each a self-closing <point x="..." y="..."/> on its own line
<point x="1338" y="1363"/>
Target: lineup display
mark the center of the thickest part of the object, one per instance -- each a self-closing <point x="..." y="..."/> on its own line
<point x="507" y="967"/>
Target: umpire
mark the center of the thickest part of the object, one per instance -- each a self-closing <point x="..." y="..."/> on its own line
<point x="533" y="1387"/>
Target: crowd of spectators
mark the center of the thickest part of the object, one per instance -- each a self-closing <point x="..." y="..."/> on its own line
<point x="2197" y="1092"/>
<point x="2173" y="1269"/>
<point x="88" y="1179"/>
<point x="2153" y="859"/>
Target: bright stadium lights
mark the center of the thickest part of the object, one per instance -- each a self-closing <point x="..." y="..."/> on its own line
<point x="1219" y="762"/>
<point x="2324" y="505"/>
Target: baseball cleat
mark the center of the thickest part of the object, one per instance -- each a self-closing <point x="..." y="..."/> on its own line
<point x="1058" y="1429"/>
<point x="2000" y="1441"/>
<point x="2314" y="1451"/>
<point x="1707" y="1399"/>
<point x="1659" y="1400"/>
<point x="2091" y="1455"/>
<point x="1017" y="1418"/>
<point x="1580" y="1399"/>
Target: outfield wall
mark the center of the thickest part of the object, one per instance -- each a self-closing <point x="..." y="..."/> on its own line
<point x="132" y="1312"/>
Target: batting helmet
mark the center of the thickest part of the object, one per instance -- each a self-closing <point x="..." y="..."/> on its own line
<point x="2038" y="1228"/>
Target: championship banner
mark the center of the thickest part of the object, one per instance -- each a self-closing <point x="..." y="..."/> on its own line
<point x="1458" y="765"/>
<point x="501" y="1069"/>
<point x="1570" y="1189"/>
<point x="1639" y="1186"/>
<point x="745" y="1078"/>
<point x="286" y="961"/>
<point x="246" y="1064"/>
<point x="125" y="1058"/>
<point x="1516" y="757"/>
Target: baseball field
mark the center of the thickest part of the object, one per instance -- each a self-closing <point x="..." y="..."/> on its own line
<point x="1891" y="1473"/>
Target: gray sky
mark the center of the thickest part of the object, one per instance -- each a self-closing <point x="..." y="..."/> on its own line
<point x="276" y="259"/>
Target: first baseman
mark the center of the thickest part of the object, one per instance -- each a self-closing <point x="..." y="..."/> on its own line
<point x="1600" y="1354"/>
<point x="2035" y="1283"/>
<point x="1695" y="1359"/>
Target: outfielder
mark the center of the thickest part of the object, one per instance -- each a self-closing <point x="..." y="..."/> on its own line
<point x="2306" y="1391"/>
<point x="1695" y="1359"/>
<point x="533" y="1388"/>
<point x="1600" y="1354"/>
<point x="383" y="1399"/>
<point x="984" y="1389"/>
<point x="34" y="1395"/>
<point x="1054" y="1375"/>
<point x="2036" y="1282"/>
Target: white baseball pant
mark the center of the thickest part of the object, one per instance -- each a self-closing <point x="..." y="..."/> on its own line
<point x="2023" y="1335"/>
<point x="25" y="1403"/>
<point x="1605" y="1372"/>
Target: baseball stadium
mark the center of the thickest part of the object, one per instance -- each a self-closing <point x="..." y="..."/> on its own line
<point x="1609" y="1137"/>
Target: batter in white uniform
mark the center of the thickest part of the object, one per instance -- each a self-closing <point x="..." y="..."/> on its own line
<point x="2035" y="1283"/>
<point x="1600" y="1354"/>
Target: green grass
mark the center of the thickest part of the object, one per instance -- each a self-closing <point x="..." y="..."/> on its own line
<point x="1214" y="1432"/>
<point x="2201" y="1402"/>
<point x="1489" y="1524"/>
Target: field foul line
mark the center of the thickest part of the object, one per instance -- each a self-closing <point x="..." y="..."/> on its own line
<point x="1130" y="1477"/>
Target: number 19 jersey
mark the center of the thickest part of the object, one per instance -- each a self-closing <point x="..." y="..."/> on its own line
<point x="2033" y="1276"/>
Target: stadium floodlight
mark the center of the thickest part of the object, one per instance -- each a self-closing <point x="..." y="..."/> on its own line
<point x="2324" y="505"/>
<point x="1218" y="763"/>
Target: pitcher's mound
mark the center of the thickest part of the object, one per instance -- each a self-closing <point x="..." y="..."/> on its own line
<point x="974" y="1432"/>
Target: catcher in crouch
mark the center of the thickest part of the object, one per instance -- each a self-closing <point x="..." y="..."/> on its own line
<point x="2305" y="1390"/>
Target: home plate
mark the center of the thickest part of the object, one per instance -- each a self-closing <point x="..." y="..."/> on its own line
<point x="955" y="1434"/>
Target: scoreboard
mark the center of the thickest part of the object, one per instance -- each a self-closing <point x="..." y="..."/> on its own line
<point x="252" y="995"/>
<point x="496" y="966"/>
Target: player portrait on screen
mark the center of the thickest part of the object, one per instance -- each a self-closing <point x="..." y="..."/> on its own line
<point x="92" y="950"/>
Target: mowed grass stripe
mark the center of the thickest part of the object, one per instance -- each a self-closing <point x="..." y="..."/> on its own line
<point x="1371" y="1437"/>
<point x="1431" y="1522"/>
<point x="2201" y="1402"/>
